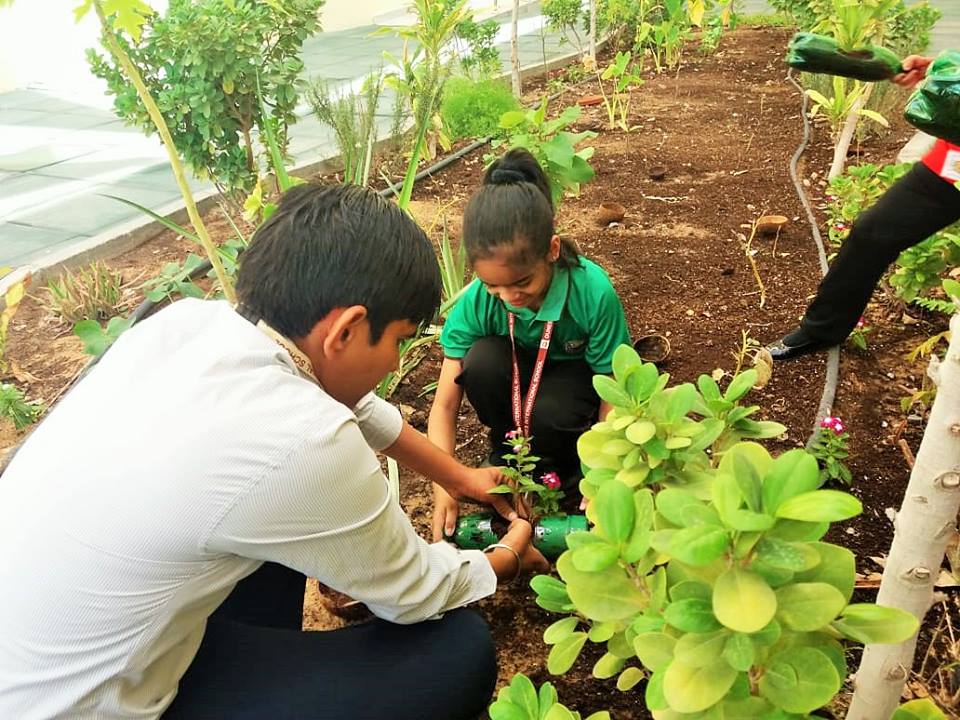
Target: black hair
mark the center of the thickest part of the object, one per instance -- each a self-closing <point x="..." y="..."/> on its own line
<point x="335" y="246"/>
<point x="514" y="203"/>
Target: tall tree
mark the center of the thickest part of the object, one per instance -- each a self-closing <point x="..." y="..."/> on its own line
<point x="926" y="521"/>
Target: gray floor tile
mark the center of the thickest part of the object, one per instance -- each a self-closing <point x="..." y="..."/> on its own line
<point x="91" y="213"/>
<point x="42" y="156"/>
<point x="23" y="191"/>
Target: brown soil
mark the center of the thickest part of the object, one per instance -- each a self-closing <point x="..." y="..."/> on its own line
<point x="723" y="130"/>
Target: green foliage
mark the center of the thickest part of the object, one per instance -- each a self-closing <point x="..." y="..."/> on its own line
<point x="718" y="584"/>
<point x="200" y="62"/>
<point x="520" y="700"/>
<point x="564" y="16"/>
<point x="453" y="271"/>
<point x="541" y="498"/>
<point x="472" y="109"/>
<point x="900" y="28"/>
<point x="830" y="449"/>
<point x="663" y="32"/>
<point x="483" y="59"/>
<point x="97" y="339"/>
<point x="622" y="77"/>
<point x="551" y="144"/>
<point x="924" y="709"/>
<point x="175" y="280"/>
<point x="92" y="293"/>
<point x="424" y="71"/>
<point x="838" y="106"/>
<point x="14" y="406"/>
<point x="353" y="119"/>
<point x="918" y="269"/>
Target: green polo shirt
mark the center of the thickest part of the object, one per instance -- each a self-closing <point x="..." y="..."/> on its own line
<point x="590" y="323"/>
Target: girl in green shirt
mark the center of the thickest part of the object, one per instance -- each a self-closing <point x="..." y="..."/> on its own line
<point x="538" y="314"/>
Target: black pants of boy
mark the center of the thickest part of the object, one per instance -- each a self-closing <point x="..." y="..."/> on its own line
<point x="565" y="407"/>
<point x="918" y="205"/>
<point x="256" y="664"/>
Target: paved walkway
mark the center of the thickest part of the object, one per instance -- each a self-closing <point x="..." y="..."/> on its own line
<point x="61" y="151"/>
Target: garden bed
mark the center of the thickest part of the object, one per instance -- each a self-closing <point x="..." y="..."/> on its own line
<point x="724" y="128"/>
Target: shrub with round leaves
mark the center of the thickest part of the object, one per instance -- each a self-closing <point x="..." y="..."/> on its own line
<point x="717" y="588"/>
<point x="520" y="700"/>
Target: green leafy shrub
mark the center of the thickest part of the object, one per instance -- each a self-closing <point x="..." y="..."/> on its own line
<point x="483" y="59"/>
<point x="14" y="406"/>
<point x="714" y="584"/>
<point x="551" y="144"/>
<point x="201" y="62"/>
<point x="96" y="338"/>
<point x="353" y="119"/>
<point x="918" y="269"/>
<point x="520" y="700"/>
<point x="472" y="109"/>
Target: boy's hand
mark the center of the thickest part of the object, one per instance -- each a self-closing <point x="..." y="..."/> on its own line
<point x="445" y="513"/>
<point x="914" y="70"/>
<point x="477" y="486"/>
<point x="519" y="537"/>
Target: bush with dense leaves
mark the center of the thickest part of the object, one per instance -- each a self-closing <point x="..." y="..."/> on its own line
<point x="201" y="62"/>
<point x="473" y="109"/>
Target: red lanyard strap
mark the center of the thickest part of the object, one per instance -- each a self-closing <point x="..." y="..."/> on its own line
<point x="522" y="423"/>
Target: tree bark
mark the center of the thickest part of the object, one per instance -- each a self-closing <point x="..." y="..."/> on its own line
<point x="593" y="29"/>
<point x="925" y="523"/>
<point x="846" y="135"/>
<point x="515" y="48"/>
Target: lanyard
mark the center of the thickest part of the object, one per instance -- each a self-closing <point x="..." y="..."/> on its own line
<point x="523" y="422"/>
<point x="296" y="354"/>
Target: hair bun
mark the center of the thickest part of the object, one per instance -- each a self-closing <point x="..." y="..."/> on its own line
<point x="506" y="176"/>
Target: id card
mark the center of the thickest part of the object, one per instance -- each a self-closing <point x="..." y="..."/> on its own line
<point x="951" y="166"/>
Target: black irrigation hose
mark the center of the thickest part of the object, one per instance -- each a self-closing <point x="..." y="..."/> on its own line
<point x="833" y="357"/>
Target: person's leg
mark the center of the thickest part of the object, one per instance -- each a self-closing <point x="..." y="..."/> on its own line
<point x="272" y="596"/>
<point x="443" y="670"/>
<point x="486" y="379"/>
<point x="914" y="208"/>
<point x="566" y="406"/>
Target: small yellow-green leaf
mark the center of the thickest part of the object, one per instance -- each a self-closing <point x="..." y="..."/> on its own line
<point x="743" y="601"/>
<point x="628" y="678"/>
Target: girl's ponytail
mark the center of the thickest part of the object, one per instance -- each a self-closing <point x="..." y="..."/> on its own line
<point x="514" y="204"/>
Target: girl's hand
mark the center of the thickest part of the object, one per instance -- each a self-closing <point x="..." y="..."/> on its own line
<point x="914" y="70"/>
<point x="445" y="512"/>
<point x="477" y="484"/>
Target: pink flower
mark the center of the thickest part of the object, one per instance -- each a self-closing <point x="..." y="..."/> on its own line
<point x="512" y="434"/>
<point x="551" y="480"/>
<point x="833" y="423"/>
<point x="839" y="227"/>
<point x="861" y="323"/>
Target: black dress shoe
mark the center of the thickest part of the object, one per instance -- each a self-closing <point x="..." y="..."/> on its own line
<point x="787" y="348"/>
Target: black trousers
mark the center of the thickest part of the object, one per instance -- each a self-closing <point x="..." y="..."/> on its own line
<point x="565" y="407"/>
<point x="918" y="205"/>
<point x="255" y="663"/>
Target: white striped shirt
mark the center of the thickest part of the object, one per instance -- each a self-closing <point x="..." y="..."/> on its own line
<point x="191" y="454"/>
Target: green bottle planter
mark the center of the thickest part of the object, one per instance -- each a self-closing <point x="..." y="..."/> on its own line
<point x="478" y="530"/>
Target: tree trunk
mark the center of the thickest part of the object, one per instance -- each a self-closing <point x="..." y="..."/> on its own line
<point x="926" y="521"/>
<point x="515" y="48"/>
<point x="593" y="29"/>
<point x="846" y="135"/>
